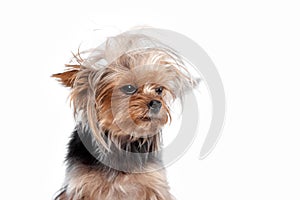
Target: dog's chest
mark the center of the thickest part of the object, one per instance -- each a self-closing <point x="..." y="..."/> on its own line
<point x="92" y="185"/>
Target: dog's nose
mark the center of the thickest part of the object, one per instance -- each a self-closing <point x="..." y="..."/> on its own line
<point x="154" y="106"/>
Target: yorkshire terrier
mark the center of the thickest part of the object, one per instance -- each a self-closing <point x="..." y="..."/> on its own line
<point x="121" y="96"/>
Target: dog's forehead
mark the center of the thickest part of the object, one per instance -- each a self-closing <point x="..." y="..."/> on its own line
<point x="149" y="74"/>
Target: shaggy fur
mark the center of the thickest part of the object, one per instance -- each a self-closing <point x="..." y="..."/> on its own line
<point x="114" y="152"/>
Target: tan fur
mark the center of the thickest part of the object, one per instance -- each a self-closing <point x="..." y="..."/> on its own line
<point x="88" y="184"/>
<point x="67" y="78"/>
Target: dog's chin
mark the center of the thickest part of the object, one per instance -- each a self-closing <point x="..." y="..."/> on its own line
<point x="141" y="126"/>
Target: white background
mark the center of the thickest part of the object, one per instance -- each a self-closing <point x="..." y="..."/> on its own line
<point x="254" y="44"/>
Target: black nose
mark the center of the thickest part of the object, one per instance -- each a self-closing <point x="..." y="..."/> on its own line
<point x="154" y="106"/>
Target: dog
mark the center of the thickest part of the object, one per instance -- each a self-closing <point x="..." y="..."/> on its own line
<point x="121" y="96"/>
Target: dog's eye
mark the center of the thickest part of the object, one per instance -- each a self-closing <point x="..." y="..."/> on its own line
<point x="128" y="89"/>
<point x="159" y="90"/>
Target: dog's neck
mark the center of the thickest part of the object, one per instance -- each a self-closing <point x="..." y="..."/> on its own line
<point x="133" y="156"/>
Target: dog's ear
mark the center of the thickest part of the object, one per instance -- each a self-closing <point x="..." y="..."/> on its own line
<point x="68" y="77"/>
<point x="185" y="83"/>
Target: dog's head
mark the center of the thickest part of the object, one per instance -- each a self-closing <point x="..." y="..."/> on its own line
<point x="128" y="97"/>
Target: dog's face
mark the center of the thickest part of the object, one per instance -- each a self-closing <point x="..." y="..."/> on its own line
<point x="133" y="95"/>
<point x="130" y="96"/>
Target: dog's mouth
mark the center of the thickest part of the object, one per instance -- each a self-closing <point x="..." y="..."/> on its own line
<point x="149" y="119"/>
<point x="145" y="119"/>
